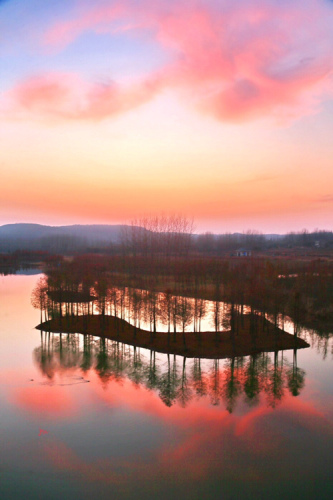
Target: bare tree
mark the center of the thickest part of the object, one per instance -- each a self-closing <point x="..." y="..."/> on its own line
<point x="39" y="297"/>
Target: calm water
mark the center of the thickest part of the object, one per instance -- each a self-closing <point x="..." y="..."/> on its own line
<point x="125" y="423"/>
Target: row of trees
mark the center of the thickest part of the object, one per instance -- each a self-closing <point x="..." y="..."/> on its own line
<point x="209" y="243"/>
<point x="176" y="379"/>
<point x="219" y="244"/>
<point x="300" y="289"/>
<point x="147" y="309"/>
<point x="158" y="235"/>
<point x="10" y="263"/>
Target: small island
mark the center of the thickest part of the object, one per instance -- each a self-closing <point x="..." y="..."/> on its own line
<point x="245" y="341"/>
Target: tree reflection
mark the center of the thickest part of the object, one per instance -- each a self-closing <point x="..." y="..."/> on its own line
<point x="199" y="380"/>
<point x="167" y="385"/>
<point x="176" y="379"/>
<point x="184" y="392"/>
<point x="102" y="362"/>
<point x="231" y="385"/>
<point x="251" y="385"/>
<point x="275" y="383"/>
<point x="296" y="377"/>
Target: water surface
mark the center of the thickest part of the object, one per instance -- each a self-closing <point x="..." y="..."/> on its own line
<point x="126" y="423"/>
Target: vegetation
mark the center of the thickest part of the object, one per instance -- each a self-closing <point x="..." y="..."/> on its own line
<point x="301" y="289"/>
<point x="10" y="263"/>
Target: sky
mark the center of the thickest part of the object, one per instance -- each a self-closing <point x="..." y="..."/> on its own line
<point x="218" y="110"/>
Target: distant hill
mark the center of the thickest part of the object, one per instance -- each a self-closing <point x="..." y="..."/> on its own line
<point x="97" y="237"/>
<point x="38" y="237"/>
<point x="33" y="231"/>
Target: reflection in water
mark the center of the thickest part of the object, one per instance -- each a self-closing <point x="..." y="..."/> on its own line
<point x="176" y="379"/>
<point x="117" y="428"/>
<point x="321" y="341"/>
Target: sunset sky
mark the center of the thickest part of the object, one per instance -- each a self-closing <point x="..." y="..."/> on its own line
<point x="219" y="110"/>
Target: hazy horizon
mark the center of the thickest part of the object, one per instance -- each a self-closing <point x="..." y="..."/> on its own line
<point x="196" y="230"/>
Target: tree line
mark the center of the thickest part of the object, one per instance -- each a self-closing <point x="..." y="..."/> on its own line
<point x="299" y="289"/>
<point x="169" y="235"/>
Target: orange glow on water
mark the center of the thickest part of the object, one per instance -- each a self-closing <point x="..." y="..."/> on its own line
<point x="52" y="402"/>
<point x="205" y="432"/>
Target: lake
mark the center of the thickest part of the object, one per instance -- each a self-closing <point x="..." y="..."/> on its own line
<point x="85" y="417"/>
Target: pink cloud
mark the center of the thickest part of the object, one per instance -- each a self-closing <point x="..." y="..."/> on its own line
<point x="66" y="96"/>
<point x="97" y="19"/>
<point x="234" y="61"/>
